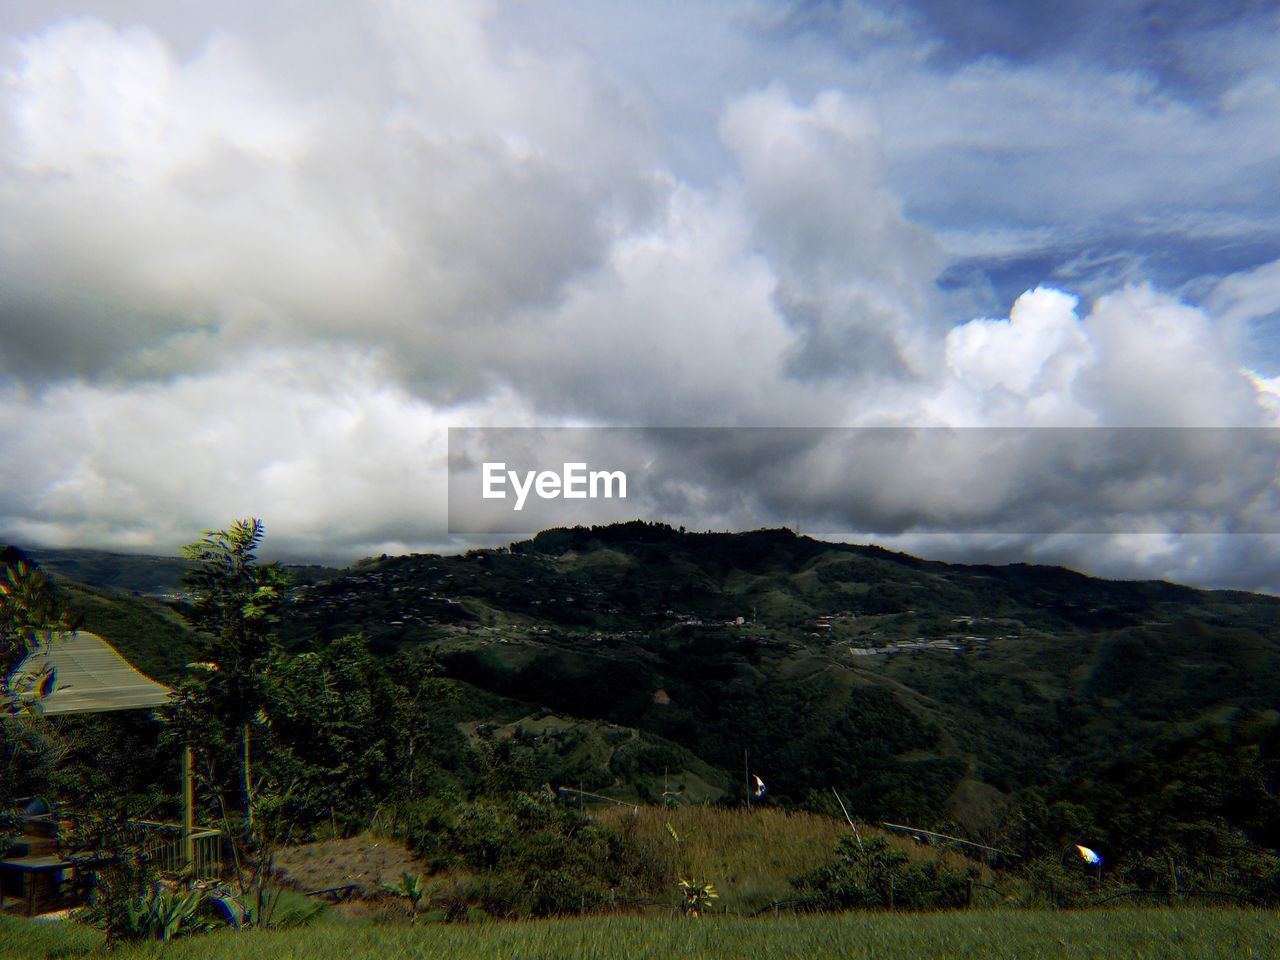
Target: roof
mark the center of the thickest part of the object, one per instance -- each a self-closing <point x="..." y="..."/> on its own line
<point x="92" y="677"/>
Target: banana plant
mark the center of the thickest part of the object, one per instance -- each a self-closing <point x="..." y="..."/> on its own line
<point x="413" y="890"/>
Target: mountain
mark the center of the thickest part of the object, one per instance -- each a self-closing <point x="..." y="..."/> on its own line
<point x="923" y="691"/>
<point x="1024" y="705"/>
<point x="135" y="572"/>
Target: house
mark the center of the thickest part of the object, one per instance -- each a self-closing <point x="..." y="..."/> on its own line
<point x="90" y="676"/>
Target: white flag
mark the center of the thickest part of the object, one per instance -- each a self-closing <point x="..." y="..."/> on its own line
<point x="1090" y="857"/>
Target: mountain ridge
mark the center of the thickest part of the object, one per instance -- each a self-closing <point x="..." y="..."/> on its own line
<point x="925" y="692"/>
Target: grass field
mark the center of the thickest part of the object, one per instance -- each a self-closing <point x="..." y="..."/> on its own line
<point x="751" y="856"/>
<point x="748" y="856"/>
<point x="1097" y="935"/>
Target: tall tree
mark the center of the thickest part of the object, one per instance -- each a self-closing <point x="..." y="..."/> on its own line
<point x="235" y="601"/>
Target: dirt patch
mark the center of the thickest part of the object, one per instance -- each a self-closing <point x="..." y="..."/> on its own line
<point x="365" y="861"/>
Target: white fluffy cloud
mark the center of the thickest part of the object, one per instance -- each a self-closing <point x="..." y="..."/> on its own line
<point x="1140" y="358"/>
<point x="1025" y="367"/>
<point x="466" y="184"/>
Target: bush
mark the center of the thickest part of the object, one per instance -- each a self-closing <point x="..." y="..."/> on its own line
<point x="536" y="858"/>
<point x="160" y="912"/>
<point x="868" y="875"/>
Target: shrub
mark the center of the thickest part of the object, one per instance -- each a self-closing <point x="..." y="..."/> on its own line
<point x="869" y="875"/>
<point x="535" y="857"/>
<point x="159" y="913"/>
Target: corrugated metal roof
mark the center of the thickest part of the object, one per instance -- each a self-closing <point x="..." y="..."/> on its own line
<point x="93" y="677"/>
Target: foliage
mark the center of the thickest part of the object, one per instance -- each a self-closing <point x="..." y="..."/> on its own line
<point x="413" y="890"/>
<point x="696" y="897"/>
<point x="321" y="731"/>
<point x="162" y="913"/>
<point x="129" y="901"/>
<point x="234" y="603"/>
<point x="31" y="615"/>
<point x="415" y="703"/>
<point x="535" y="857"/>
<point x="868" y="875"/>
<point x="30" y="612"/>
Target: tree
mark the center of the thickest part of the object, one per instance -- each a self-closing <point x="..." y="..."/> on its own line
<point x="235" y="601"/>
<point x="417" y="695"/>
<point x="31" y="615"/>
<point x="327" y="739"/>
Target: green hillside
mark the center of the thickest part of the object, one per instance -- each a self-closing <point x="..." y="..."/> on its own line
<point x="1029" y="708"/>
<point x="136" y="573"/>
<point x="925" y="692"/>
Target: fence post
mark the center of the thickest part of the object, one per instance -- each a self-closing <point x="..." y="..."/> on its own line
<point x="188" y="811"/>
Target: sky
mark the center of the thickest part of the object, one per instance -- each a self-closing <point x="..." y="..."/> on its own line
<point x="257" y="260"/>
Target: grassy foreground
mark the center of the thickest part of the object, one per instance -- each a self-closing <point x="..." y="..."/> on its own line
<point x="1128" y="934"/>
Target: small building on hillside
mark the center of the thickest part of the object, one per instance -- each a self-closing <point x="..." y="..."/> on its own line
<point x="37" y="872"/>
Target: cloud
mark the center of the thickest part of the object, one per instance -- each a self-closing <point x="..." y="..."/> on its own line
<point x="789" y="293"/>
<point x="1032" y="359"/>
<point x="854" y="274"/>
<point x="1247" y="305"/>
<point x="252" y="265"/>
<point x="1140" y="358"/>
<point x="148" y="195"/>
<point x="320" y="441"/>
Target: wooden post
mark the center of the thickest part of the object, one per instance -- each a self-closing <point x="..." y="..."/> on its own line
<point x="188" y="811"/>
<point x="746" y="773"/>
